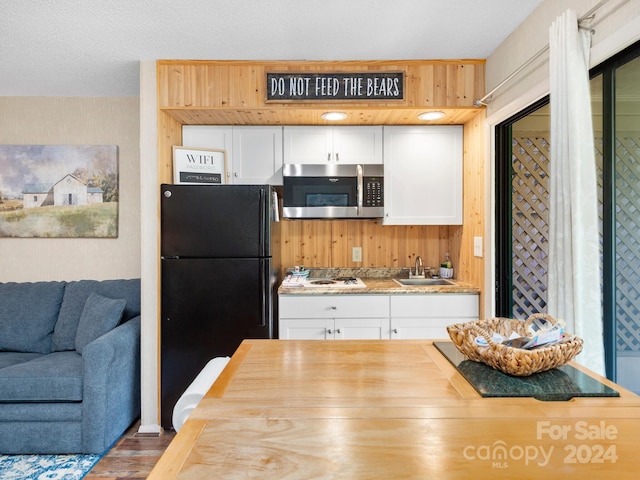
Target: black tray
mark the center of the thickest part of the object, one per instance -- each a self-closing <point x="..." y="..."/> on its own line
<point x="558" y="384"/>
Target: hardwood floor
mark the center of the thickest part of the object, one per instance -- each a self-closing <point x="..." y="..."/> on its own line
<point x="133" y="456"/>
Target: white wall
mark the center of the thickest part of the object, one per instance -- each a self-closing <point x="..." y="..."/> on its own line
<point x="77" y="121"/>
<point x="616" y="25"/>
<point x="150" y="253"/>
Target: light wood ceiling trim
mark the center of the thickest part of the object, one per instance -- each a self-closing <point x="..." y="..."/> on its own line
<point x="306" y="116"/>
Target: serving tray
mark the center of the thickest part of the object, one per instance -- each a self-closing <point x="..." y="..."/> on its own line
<point x="559" y="384"/>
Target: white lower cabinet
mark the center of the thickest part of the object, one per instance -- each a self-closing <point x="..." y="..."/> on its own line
<point x="339" y="317"/>
<point x="427" y="316"/>
<point x="373" y="317"/>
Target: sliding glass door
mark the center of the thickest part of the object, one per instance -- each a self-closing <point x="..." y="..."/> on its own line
<point x="522" y="182"/>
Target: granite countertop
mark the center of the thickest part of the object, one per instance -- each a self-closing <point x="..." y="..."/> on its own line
<point x="378" y="281"/>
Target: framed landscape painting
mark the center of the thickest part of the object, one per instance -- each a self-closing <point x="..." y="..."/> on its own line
<point x="59" y="191"/>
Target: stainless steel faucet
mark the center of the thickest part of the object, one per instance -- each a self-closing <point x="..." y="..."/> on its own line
<point x="418" y="267"/>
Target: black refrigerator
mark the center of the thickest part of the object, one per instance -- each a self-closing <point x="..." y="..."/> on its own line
<point x="218" y="277"/>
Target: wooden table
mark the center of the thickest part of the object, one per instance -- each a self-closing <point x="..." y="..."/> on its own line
<point x="285" y="409"/>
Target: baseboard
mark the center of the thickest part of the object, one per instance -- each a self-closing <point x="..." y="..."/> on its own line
<point x="150" y="429"/>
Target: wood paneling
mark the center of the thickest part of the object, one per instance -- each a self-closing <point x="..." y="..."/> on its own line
<point x="233" y="93"/>
<point x="242" y="84"/>
<point x="470" y="267"/>
<point x="328" y="243"/>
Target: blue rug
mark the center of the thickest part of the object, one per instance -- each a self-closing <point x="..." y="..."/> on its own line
<point x="46" y="467"/>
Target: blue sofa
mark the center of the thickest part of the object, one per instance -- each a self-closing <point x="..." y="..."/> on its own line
<point x="69" y="365"/>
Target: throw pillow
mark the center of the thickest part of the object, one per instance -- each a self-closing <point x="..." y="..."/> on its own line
<point x="99" y="316"/>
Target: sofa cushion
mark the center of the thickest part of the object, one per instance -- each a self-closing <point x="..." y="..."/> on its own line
<point x="12" y="358"/>
<point x="56" y="377"/>
<point x="75" y="297"/>
<point x="99" y="316"/>
<point x="28" y="315"/>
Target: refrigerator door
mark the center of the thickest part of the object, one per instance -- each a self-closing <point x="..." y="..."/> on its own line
<point x="208" y="307"/>
<point x="222" y="221"/>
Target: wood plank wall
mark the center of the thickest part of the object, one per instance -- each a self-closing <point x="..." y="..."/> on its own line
<point x="232" y="85"/>
<point x="193" y="88"/>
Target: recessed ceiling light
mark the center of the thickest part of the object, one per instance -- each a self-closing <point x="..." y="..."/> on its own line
<point x="333" y="116"/>
<point x="431" y="115"/>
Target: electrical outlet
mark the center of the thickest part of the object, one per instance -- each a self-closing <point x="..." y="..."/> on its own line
<point x="477" y="246"/>
<point x="356" y="254"/>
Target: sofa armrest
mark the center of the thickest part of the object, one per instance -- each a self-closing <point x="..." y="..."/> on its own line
<point x="111" y="396"/>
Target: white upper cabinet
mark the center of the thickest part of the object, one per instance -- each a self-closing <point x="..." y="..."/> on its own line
<point x="322" y="145"/>
<point x="254" y="153"/>
<point x="423" y="175"/>
<point x="257" y="155"/>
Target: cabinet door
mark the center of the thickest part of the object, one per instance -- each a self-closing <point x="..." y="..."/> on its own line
<point x="322" y="145"/>
<point x="419" y="328"/>
<point x="423" y="175"/>
<point x="306" y="329"/>
<point x="308" y="145"/>
<point x="354" y="145"/>
<point x="361" y="328"/>
<point x="257" y="155"/>
<point x="427" y="316"/>
<point x="210" y="136"/>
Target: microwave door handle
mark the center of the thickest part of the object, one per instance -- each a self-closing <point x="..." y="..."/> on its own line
<point x="360" y="188"/>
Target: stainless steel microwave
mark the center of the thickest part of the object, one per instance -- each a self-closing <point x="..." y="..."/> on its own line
<point x="333" y="191"/>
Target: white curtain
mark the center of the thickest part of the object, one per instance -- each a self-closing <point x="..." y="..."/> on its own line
<point x="574" y="255"/>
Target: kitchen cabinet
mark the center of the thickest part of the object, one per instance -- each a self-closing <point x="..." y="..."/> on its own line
<point x="361" y="317"/>
<point x="333" y="145"/>
<point x="339" y="317"/>
<point x="427" y="316"/>
<point x="254" y="153"/>
<point x="423" y="175"/>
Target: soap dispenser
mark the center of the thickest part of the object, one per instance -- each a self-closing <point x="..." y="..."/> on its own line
<point x="446" y="267"/>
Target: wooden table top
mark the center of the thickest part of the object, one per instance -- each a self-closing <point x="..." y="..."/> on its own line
<point x="289" y="409"/>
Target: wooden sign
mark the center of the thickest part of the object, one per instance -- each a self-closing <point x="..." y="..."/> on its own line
<point x="307" y="86"/>
<point x="199" y="166"/>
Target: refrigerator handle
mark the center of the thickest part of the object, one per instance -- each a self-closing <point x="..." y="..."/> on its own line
<point x="264" y="220"/>
<point x="264" y="287"/>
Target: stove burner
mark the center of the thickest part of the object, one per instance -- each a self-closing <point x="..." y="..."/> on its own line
<point x="323" y="282"/>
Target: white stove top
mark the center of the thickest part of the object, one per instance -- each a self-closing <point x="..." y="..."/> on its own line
<point x="340" y="282"/>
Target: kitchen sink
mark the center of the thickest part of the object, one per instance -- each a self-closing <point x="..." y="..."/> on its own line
<point x="407" y="282"/>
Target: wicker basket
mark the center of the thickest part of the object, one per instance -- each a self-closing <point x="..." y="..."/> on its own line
<point x="513" y="361"/>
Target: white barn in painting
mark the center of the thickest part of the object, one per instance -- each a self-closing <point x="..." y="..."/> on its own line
<point x="69" y="190"/>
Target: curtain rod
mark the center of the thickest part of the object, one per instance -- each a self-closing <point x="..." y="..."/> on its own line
<point x="481" y="101"/>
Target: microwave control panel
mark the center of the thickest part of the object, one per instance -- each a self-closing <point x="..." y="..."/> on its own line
<point x="373" y="194"/>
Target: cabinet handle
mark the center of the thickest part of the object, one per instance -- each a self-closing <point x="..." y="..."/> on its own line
<point x="395" y="330"/>
<point x="334" y="307"/>
<point x="328" y="157"/>
<point x="337" y="157"/>
<point x="329" y="331"/>
<point x="338" y="331"/>
<point x="235" y="174"/>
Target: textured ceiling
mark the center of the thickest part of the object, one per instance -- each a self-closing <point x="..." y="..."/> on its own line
<point x="93" y="47"/>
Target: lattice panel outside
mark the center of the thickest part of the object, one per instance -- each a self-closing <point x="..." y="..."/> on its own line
<point x="530" y="214"/>
<point x="530" y="219"/>
<point x="628" y="243"/>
